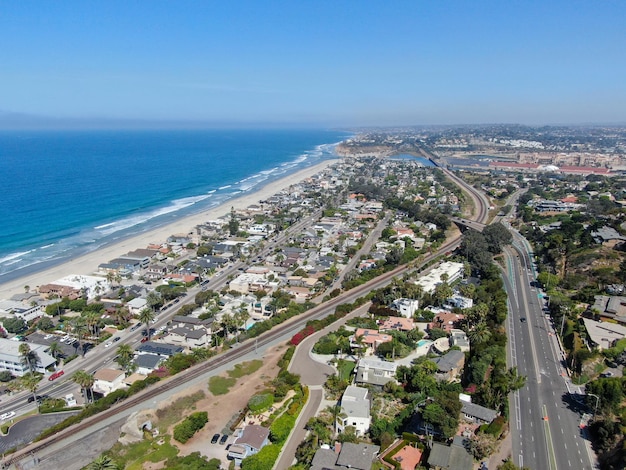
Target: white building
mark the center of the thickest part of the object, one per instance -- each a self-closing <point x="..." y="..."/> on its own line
<point x="11" y="359"/>
<point x="405" y="307"/>
<point x="450" y="271"/>
<point x="355" y="410"/>
<point x="108" y="380"/>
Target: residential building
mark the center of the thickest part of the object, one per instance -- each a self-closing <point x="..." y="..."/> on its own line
<point x="476" y="413"/>
<point x="452" y="457"/>
<point x="368" y="339"/>
<point x="345" y="456"/>
<point x="355" y="410"/>
<point x="249" y="441"/>
<point x="159" y="349"/>
<point x="146" y="363"/>
<point x="448" y="270"/>
<point x="405" y="307"/>
<point x="11" y="359"/>
<point x="446" y="321"/>
<point x="450" y="365"/>
<point x="398" y="324"/>
<point x="108" y="380"/>
<point x="459" y="338"/>
<point x="375" y="372"/>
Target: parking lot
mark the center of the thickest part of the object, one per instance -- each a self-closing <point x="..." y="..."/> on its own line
<point x="66" y="349"/>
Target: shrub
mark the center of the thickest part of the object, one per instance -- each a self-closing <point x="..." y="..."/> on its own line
<point x="260" y="402"/>
<point x="190" y="425"/>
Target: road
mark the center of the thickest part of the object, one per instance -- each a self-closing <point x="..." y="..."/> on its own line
<point x="544" y="418"/>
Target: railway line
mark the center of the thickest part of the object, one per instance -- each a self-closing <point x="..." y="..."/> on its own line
<point x="282" y="332"/>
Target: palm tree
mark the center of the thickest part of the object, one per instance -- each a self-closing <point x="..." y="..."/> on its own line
<point x="54" y="349"/>
<point x="86" y="381"/>
<point x="146" y="316"/>
<point x="154" y="299"/>
<point x="92" y="319"/>
<point x="480" y="333"/>
<point x="27" y="356"/>
<point x="80" y="330"/>
<point x="102" y="463"/>
<point x="125" y="357"/>
<point x="30" y="382"/>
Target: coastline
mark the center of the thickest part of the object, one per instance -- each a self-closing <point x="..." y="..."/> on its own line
<point x="88" y="263"/>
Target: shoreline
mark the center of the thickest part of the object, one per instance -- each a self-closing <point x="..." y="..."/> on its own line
<point x="88" y="263"/>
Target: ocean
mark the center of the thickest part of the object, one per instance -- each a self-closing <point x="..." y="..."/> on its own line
<point x="66" y="193"/>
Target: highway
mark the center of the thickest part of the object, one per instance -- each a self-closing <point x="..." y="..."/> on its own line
<point x="544" y="420"/>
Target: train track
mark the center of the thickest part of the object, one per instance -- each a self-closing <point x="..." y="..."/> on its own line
<point x="279" y="332"/>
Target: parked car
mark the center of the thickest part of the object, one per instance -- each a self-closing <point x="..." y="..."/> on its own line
<point x="135" y="326"/>
<point x="56" y="375"/>
<point x="116" y="339"/>
<point x="224" y="439"/>
<point x="215" y="438"/>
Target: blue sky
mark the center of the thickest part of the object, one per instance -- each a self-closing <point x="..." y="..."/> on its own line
<point x="328" y="63"/>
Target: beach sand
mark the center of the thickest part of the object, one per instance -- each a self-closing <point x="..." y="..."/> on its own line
<point x="88" y="263"/>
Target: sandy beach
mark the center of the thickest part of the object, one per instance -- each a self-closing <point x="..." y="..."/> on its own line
<point x="88" y="263"/>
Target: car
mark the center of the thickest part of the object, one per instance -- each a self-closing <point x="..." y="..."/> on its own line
<point x="116" y="339"/>
<point x="40" y="398"/>
<point x="7" y="415"/>
<point x="56" y="375"/>
<point x="109" y="343"/>
<point x="144" y="339"/>
<point x="135" y="326"/>
<point x="48" y="336"/>
<point x="224" y="439"/>
<point x="523" y="319"/>
<point x="215" y="438"/>
<point x="606" y="374"/>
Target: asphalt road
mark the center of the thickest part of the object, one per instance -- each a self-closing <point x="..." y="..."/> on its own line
<point x="544" y="417"/>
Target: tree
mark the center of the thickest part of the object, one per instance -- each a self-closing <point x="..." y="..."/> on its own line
<point x="86" y="381"/>
<point x="80" y="329"/>
<point x="442" y="292"/>
<point x="125" y="357"/>
<point x="27" y="356"/>
<point x="233" y="223"/>
<point x="14" y="325"/>
<point x="480" y="333"/>
<point x="45" y="324"/>
<point x="154" y="300"/>
<point x="30" y="382"/>
<point x="102" y="463"/>
<point x="54" y="349"/>
<point x="146" y="316"/>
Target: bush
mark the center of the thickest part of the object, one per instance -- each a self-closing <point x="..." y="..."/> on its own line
<point x="260" y="402"/>
<point x="190" y="425"/>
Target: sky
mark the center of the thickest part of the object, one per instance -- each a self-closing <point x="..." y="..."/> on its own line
<point x="313" y="62"/>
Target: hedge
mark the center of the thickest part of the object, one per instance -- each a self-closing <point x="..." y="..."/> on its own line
<point x="190" y="425"/>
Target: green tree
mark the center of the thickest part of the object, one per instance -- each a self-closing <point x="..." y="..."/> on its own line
<point x="30" y="382"/>
<point x="146" y="316"/>
<point x="86" y="381"/>
<point x="125" y="357"/>
<point x="497" y="236"/>
<point x="102" y="463"/>
<point x="27" y="356"/>
<point x="45" y="324"/>
<point x="14" y="325"/>
<point x="233" y="223"/>
<point x="55" y="349"/>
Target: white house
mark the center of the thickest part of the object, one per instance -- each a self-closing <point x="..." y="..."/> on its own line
<point x="136" y="305"/>
<point x="405" y="307"/>
<point x="448" y="270"/>
<point x="373" y="371"/>
<point x="355" y="410"/>
<point x="249" y="441"/>
<point x="108" y="380"/>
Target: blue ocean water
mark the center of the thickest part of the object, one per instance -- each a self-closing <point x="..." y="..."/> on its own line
<point x="65" y="193"/>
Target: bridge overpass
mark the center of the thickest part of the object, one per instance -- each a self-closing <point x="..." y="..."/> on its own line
<point x="464" y="224"/>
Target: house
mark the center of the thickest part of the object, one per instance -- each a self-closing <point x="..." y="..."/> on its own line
<point x="159" y="349"/>
<point x="450" y="365"/>
<point x="407" y="458"/>
<point x="136" y="305"/>
<point x="447" y="321"/>
<point x="146" y="363"/>
<point x="188" y="337"/>
<point x="459" y="338"/>
<point x="373" y="371"/>
<point x="108" y="380"/>
<point x="345" y="456"/>
<point x="398" y="324"/>
<point x="448" y="270"/>
<point x="452" y="457"/>
<point x="405" y="307"/>
<point x="368" y="339"/>
<point x="355" y="410"/>
<point x="460" y="302"/>
<point x="11" y="358"/>
<point x="476" y="413"/>
<point x="249" y="441"/>
<point x="607" y="235"/>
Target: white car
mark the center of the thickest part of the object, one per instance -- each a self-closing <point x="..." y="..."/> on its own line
<point x="48" y="336"/>
<point x="7" y="415"/>
<point x="108" y="344"/>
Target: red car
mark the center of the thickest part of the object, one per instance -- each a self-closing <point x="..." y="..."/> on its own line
<point x="56" y="375"/>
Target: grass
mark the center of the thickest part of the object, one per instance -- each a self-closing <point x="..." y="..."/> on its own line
<point x="133" y="456"/>
<point x="345" y="368"/>
<point x="221" y="385"/>
<point x="177" y="410"/>
<point x="245" y="368"/>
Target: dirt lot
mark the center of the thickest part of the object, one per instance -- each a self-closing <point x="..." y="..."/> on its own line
<point x="222" y="408"/>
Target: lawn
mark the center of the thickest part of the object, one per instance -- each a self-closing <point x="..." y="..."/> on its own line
<point x="345" y="369"/>
<point x="245" y="368"/>
<point x="221" y="385"/>
<point x="133" y="456"/>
